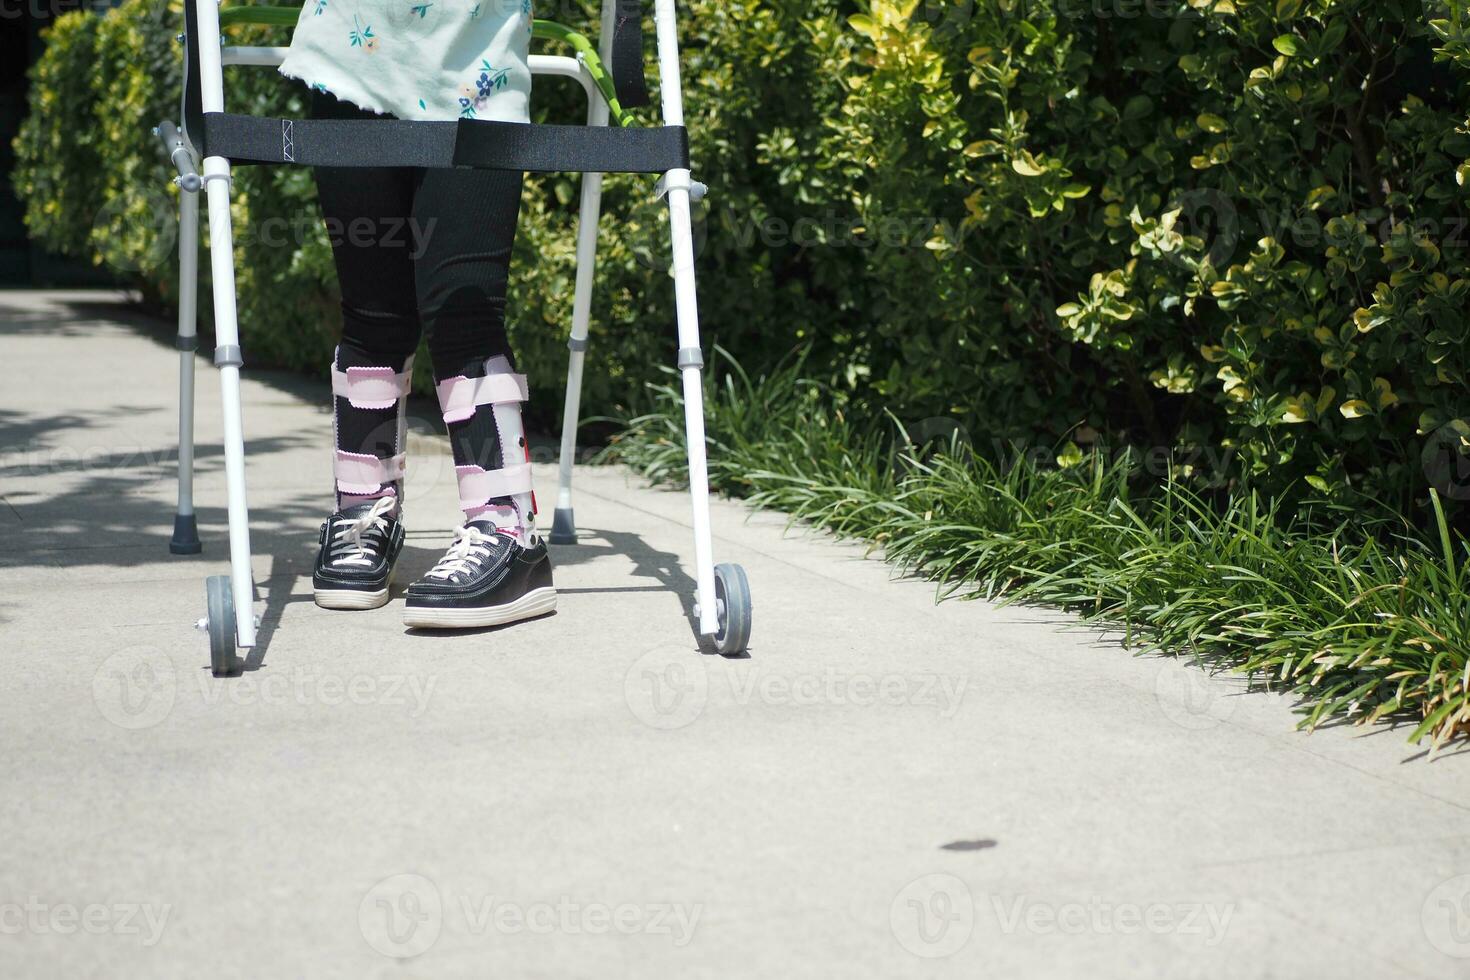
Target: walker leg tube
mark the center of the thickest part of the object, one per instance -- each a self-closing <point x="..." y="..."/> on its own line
<point x="186" y="527"/>
<point x="691" y="372"/>
<point x="678" y="183"/>
<point x="216" y="178"/>
<point x="564" y="524"/>
<point x="227" y="357"/>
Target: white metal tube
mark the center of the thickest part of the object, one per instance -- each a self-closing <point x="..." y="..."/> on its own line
<point x="669" y="77"/>
<point x="589" y="216"/>
<point x="564" y="67"/>
<point x="606" y="29"/>
<point x="226" y="326"/>
<point x="260" y="57"/>
<point x="188" y="328"/>
<point x="687" y="309"/>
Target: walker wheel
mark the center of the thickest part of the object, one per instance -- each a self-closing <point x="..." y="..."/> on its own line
<point x="732" y="598"/>
<point x="221" y="608"/>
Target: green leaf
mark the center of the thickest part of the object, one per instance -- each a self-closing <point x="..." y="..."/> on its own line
<point x="1211" y="123"/>
<point x="1026" y="165"/>
<point x="1287" y="44"/>
<point x="1070" y="456"/>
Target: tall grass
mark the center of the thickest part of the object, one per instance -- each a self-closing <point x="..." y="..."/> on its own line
<point x="1360" y="622"/>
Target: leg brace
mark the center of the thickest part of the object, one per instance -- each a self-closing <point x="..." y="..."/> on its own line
<point x="363" y="477"/>
<point x="504" y="391"/>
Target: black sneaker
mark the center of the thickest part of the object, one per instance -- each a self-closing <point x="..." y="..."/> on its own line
<point x="488" y="578"/>
<point x="354" y="568"/>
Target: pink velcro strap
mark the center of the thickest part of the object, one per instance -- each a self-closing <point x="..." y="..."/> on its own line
<point x="459" y="396"/>
<point x="370" y="387"/>
<point x="477" y="486"/>
<point x="365" y="475"/>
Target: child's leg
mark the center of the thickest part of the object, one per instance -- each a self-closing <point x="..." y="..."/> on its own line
<point x="495" y="571"/>
<point x="466" y="220"/>
<point x="368" y="214"/>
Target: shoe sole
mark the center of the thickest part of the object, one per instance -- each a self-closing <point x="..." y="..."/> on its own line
<point x="537" y="602"/>
<point x="351" y="601"/>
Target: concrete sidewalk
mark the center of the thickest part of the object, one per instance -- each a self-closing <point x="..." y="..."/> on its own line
<point x="885" y="787"/>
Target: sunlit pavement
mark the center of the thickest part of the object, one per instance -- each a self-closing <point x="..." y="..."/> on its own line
<point x="885" y="787"/>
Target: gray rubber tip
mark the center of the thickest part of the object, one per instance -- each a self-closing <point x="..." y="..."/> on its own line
<point x="563" y="527"/>
<point x="186" y="536"/>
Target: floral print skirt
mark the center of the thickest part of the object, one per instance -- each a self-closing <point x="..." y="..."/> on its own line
<point x="440" y="60"/>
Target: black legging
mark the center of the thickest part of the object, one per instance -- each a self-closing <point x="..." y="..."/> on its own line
<point x="418" y="251"/>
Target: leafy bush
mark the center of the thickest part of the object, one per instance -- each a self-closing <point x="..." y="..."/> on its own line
<point x="1233" y="225"/>
<point x="1231" y="232"/>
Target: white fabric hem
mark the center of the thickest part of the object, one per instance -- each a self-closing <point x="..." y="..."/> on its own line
<point x="341" y="96"/>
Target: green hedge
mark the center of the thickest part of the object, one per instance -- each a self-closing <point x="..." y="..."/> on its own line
<point x="1230" y="232"/>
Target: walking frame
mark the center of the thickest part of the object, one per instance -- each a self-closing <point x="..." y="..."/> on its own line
<point x="204" y="149"/>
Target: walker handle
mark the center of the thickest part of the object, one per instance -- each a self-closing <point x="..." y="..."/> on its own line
<point x="179" y="156"/>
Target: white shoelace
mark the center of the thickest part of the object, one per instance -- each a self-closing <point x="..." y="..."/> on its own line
<point x="347" y="544"/>
<point x="470" y="549"/>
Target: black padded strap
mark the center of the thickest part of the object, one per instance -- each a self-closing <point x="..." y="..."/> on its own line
<point x="586" y="149"/>
<point x="480" y="143"/>
<point x="627" y="55"/>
